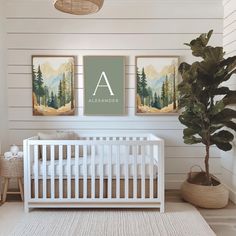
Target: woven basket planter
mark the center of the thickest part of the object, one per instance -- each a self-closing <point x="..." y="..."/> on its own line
<point x="205" y="196"/>
<point x="11" y="168"/>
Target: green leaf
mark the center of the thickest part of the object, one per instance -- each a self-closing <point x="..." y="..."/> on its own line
<point x="213" y="128"/>
<point x="188" y="121"/>
<point x="197" y="45"/>
<point x="189" y="132"/>
<point x="226" y="115"/>
<point x="184" y="87"/>
<point x="209" y="36"/>
<point x="184" y="101"/>
<point x="218" y="107"/>
<point x="230" y="124"/>
<point x="183" y="67"/>
<point x="221" y="73"/>
<point x="207" y="68"/>
<point x="222" y="136"/>
<point x="224" y="146"/>
<point x="230" y="98"/>
<point x="220" y="91"/>
<point x="192" y="140"/>
<point x="230" y="62"/>
<point x="199" y="108"/>
<point x="228" y="76"/>
<point x="213" y="55"/>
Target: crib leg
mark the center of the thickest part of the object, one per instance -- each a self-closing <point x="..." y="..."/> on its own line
<point x="26" y="207"/>
<point x="162" y="208"/>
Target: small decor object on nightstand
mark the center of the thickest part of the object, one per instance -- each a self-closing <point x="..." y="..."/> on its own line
<point x="14" y="150"/>
<point x="11" y="166"/>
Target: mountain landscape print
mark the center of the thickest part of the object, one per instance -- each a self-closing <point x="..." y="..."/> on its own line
<point x="53" y="85"/>
<point x="156" y="85"/>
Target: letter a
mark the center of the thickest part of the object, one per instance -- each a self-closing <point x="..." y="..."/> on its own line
<point x="103" y="75"/>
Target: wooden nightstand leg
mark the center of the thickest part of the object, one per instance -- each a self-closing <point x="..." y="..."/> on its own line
<point x="21" y="188"/>
<point x="4" y="197"/>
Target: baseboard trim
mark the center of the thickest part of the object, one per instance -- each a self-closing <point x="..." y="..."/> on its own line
<point x="169" y="185"/>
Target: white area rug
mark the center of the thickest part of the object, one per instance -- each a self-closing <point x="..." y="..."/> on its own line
<point x="180" y="219"/>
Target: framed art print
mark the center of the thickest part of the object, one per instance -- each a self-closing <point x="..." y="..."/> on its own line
<point x="156" y="85"/>
<point x="53" y="85"/>
<point x="104" y="84"/>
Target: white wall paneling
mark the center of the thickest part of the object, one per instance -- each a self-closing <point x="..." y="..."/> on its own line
<point x="127" y="28"/>
<point x="117" y="42"/>
<point x="111" y="26"/>
<point x="229" y="42"/>
<point x="23" y="57"/>
<point x="3" y="97"/>
<point x="122" y="9"/>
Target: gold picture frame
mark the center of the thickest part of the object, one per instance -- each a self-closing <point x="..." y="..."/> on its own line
<point x="53" y="92"/>
<point x="156" y="85"/>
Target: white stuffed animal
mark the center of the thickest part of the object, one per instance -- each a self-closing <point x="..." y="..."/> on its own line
<point x="8" y="155"/>
<point x="14" y="150"/>
<point x="14" y="153"/>
<point x="20" y="154"/>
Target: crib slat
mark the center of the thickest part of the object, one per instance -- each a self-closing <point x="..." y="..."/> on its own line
<point x="44" y="172"/>
<point x="151" y="165"/>
<point x="121" y="148"/>
<point x="27" y="173"/>
<point x="160" y="180"/>
<point x="77" y="171"/>
<point x="101" y="165"/>
<point x="61" y="172"/>
<point x="126" y="172"/>
<point x="135" y="177"/>
<point x="114" y="178"/>
<point x="118" y="172"/>
<point x="109" y="172"/>
<point x="36" y="171"/>
<point x="93" y="171"/>
<point x="69" y="171"/>
<point x="85" y="181"/>
<point x="143" y="171"/>
<point x="52" y="171"/>
<point x="161" y="177"/>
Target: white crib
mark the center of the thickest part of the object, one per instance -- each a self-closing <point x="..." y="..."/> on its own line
<point x="123" y="170"/>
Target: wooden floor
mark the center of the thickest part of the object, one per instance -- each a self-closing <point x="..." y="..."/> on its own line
<point x="222" y="221"/>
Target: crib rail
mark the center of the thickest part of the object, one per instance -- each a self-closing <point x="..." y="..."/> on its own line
<point x="93" y="171"/>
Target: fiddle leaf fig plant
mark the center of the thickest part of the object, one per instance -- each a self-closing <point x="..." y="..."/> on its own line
<point x="206" y="100"/>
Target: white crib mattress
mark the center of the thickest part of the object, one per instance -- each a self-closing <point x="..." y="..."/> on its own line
<point x="148" y="166"/>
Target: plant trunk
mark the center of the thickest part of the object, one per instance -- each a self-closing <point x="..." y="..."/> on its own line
<point x="207" y="164"/>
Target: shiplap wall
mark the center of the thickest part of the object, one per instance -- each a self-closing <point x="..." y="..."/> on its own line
<point x="229" y="42"/>
<point x="3" y="104"/>
<point x="129" y="28"/>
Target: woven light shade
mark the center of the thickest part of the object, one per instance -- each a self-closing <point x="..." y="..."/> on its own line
<point x="78" y="7"/>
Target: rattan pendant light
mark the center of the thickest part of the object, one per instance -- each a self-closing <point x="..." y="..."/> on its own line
<point x="78" y="7"/>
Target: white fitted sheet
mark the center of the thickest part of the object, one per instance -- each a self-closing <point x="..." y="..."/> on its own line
<point x="97" y="167"/>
